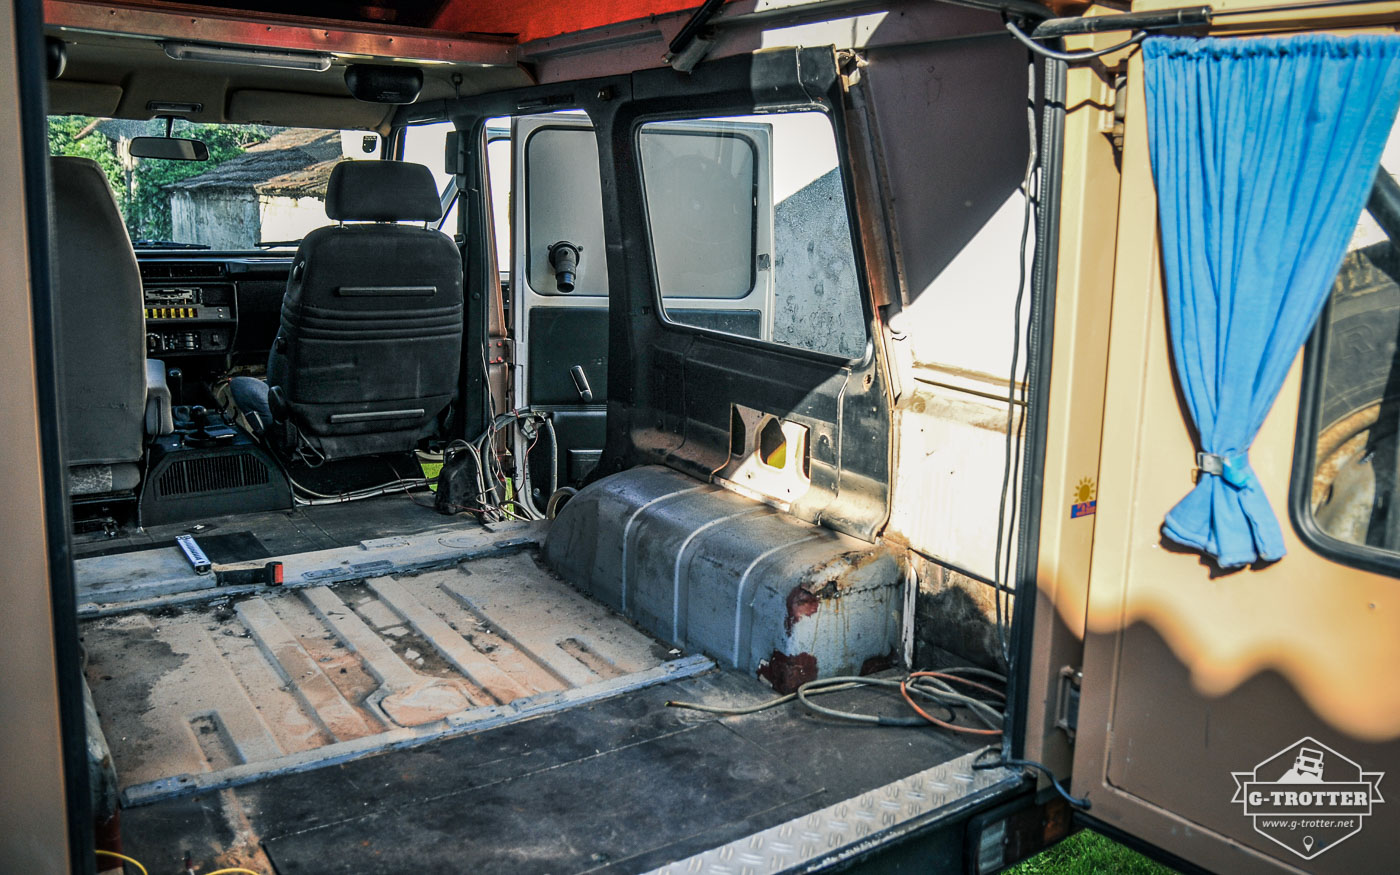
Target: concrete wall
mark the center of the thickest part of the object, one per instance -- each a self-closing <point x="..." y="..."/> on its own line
<point x="288" y="218"/>
<point x="241" y="220"/>
<point x="218" y="219"/>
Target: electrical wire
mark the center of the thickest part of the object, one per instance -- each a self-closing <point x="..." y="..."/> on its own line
<point x="933" y="686"/>
<point x="125" y="859"/>
<point x="1080" y="802"/>
<point x="1000" y="576"/>
<point x="994" y="726"/>
<point x="232" y="870"/>
<point x="1070" y="57"/>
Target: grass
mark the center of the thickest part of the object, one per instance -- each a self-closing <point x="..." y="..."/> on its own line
<point x="1088" y="853"/>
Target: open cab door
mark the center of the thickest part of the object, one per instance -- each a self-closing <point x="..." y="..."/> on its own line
<point x="1239" y="719"/>
<point x="709" y="189"/>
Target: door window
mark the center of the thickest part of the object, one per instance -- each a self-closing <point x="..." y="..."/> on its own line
<point x="1347" y="486"/>
<point x="750" y="231"/>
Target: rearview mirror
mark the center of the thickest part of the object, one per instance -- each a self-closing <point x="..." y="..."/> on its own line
<point x="168" y="149"/>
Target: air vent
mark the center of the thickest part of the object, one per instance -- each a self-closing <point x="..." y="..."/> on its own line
<point x="213" y="474"/>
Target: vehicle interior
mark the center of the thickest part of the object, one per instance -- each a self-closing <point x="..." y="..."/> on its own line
<point x="395" y="464"/>
<point x="744" y="437"/>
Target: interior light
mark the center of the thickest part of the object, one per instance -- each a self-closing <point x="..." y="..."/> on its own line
<point x="252" y="57"/>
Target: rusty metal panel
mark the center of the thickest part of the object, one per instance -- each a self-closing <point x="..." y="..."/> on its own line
<point x="713" y="571"/>
<point x="208" y="696"/>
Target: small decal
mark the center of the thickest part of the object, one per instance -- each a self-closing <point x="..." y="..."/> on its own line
<point x="1085" y="503"/>
<point x="1307" y="797"/>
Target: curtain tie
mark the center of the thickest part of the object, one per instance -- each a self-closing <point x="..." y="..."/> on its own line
<point x="1233" y="468"/>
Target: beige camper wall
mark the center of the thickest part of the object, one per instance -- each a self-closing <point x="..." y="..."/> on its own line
<point x="33" y="820"/>
<point x="1189" y="673"/>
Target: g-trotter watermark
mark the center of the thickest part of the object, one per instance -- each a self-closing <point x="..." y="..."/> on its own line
<point x="1308" y="797"/>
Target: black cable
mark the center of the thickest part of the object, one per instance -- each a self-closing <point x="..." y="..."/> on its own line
<point x="1082" y="803"/>
<point x="998" y="575"/>
<point x="1070" y="57"/>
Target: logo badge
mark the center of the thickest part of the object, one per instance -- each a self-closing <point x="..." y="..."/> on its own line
<point x="1084" y="503"/>
<point x="1307" y="797"/>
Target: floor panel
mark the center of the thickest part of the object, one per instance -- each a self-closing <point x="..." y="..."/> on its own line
<point x="621" y="785"/>
<point x="211" y="695"/>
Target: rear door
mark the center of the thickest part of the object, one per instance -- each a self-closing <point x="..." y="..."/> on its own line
<point x="1242" y="721"/>
<point x="715" y="275"/>
<point x="561" y="336"/>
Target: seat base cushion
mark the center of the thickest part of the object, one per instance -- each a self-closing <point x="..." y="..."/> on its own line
<point x="99" y="479"/>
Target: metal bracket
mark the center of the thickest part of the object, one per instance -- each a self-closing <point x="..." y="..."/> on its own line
<point x="1067" y="700"/>
<point x="1114" y="99"/>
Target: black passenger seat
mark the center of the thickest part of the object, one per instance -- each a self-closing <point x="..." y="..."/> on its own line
<point x="368" y="353"/>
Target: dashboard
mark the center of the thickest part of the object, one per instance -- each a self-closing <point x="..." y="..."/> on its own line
<point x="220" y="305"/>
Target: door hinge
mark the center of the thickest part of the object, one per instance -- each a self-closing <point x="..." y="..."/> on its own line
<point x="1115" y="103"/>
<point x="1067" y="700"/>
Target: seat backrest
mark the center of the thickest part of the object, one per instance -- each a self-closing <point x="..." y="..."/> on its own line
<point x="369" y="348"/>
<point x="101" y="320"/>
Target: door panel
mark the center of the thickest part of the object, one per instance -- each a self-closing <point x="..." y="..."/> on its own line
<point x="1193" y="677"/>
<point x="556" y="184"/>
<point x="564" y="338"/>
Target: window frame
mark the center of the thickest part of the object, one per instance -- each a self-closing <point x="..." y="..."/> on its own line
<point x="753" y="223"/>
<point x="702" y="114"/>
<point x="1300" y="512"/>
<point x="526" y="203"/>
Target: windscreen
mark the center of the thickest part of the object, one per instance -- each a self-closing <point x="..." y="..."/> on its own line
<point x="261" y="186"/>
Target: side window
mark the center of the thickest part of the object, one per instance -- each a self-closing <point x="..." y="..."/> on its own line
<point x="564" y="201"/>
<point x="425" y="144"/>
<point x="750" y="232"/>
<point x="498" y="171"/>
<point x="1351" y="503"/>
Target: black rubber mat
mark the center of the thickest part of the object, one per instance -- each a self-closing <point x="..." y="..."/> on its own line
<point x="223" y="548"/>
<point x="623" y="785"/>
<point x="300" y="530"/>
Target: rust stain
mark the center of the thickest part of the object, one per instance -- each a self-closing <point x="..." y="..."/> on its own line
<point x="786" y="672"/>
<point x="835" y="575"/>
<point x="800" y="603"/>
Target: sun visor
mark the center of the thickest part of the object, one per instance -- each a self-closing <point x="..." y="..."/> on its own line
<point x="84" y="98"/>
<point x="253" y="106"/>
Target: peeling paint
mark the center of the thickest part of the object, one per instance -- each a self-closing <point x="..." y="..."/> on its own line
<point x="786" y="672"/>
<point x="800" y="603"/>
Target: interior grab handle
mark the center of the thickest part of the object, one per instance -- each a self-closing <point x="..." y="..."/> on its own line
<point x="585" y="392"/>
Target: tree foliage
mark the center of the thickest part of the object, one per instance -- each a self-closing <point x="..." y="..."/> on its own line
<point x="148" y="214"/>
<point x="77" y="135"/>
<point x="139" y="182"/>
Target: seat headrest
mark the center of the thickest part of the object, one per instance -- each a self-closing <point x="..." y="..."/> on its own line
<point x="382" y="191"/>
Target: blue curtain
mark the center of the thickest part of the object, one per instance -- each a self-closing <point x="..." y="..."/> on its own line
<point x="1263" y="151"/>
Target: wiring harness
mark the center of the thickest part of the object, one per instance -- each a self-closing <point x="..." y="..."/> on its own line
<point x="974" y="700"/>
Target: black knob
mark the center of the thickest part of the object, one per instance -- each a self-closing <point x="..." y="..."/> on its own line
<point x="564" y="258"/>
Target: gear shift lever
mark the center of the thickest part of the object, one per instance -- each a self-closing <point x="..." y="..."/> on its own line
<point x="176" y="379"/>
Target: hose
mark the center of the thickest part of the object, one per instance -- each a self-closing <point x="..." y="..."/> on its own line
<point x="934" y="686"/>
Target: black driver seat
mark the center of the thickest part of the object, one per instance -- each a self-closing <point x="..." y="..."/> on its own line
<point x="368" y="353"/>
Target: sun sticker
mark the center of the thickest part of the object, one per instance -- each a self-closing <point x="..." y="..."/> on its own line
<point x="1084" y="499"/>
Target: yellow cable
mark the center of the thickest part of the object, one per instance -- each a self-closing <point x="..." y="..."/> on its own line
<point x="124" y="858"/>
<point x="137" y="863"/>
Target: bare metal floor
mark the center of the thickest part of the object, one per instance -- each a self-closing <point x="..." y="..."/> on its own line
<point x="219" y="694"/>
